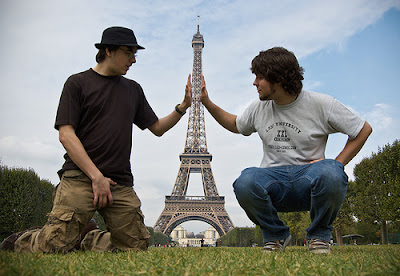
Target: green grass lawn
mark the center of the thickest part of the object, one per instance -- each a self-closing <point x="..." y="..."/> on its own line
<point x="344" y="260"/>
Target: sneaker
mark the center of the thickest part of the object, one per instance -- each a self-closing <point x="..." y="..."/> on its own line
<point x="276" y="246"/>
<point x="318" y="246"/>
<point x="9" y="242"/>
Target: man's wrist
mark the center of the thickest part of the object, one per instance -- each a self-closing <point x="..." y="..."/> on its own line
<point x="178" y="109"/>
<point x="208" y="104"/>
<point x="96" y="176"/>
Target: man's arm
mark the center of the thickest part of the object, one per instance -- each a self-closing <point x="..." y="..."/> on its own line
<point x="224" y="118"/>
<point x="166" y="123"/>
<point x="78" y="154"/>
<point x="352" y="147"/>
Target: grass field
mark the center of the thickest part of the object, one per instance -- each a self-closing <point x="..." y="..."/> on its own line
<point x="345" y="260"/>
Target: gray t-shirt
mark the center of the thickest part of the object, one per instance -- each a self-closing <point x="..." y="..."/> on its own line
<point x="296" y="134"/>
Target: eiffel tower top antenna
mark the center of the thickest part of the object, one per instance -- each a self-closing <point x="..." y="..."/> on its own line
<point x="196" y="134"/>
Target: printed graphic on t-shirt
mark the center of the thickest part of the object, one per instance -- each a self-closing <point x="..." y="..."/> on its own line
<point x="281" y="134"/>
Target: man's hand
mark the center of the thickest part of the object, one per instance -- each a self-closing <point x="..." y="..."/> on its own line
<point x="101" y="191"/>
<point x="78" y="154"/>
<point x="188" y="91"/>
<point x="315" y="161"/>
<point x="204" y="94"/>
<point x="187" y="100"/>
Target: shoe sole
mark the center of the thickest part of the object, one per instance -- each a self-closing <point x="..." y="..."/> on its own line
<point x="282" y="249"/>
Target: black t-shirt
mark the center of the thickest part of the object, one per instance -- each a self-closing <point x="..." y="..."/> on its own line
<point x="102" y="111"/>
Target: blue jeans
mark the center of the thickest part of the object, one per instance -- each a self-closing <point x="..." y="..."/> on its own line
<point x="319" y="188"/>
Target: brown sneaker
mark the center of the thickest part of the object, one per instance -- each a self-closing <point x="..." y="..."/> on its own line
<point x="9" y="242"/>
<point x="318" y="246"/>
<point x="276" y="246"/>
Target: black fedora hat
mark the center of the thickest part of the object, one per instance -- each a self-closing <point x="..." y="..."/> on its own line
<point x="118" y="36"/>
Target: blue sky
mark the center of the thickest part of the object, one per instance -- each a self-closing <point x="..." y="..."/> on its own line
<point x="362" y="73"/>
<point x="370" y="57"/>
<point x="349" y="50"/>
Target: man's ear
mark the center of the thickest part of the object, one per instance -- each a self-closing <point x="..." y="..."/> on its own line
<point x="108" y="52"/>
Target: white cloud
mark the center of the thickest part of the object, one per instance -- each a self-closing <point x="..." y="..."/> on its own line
<point x="29" y="148"/>
<point x="380" y="117"/>
<point x="42" y="155"/>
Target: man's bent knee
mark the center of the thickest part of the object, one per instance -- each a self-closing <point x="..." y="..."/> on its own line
<point x="245" y="186"/>
<point x="133" y="235"/>
<point x="61" y="232"/>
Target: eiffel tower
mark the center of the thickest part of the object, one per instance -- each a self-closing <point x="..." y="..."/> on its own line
<point x="180" y="207"/>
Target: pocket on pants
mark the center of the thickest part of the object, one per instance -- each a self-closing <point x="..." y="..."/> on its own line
<point x="61" y="214"/>
<point x="61" y="231"/>
<point x="74" y="174"/>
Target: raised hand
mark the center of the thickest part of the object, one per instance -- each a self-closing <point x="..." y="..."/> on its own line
<point x="187" y="101"/>
<point x="203" y="93"/>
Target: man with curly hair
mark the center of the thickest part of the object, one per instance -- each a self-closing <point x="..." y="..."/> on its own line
<point x="294" y="175"/>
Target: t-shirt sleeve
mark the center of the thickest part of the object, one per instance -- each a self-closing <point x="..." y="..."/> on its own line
<point x="245" y="122"/>
<point x="68" y="112"/>
<point x="145" y="116"/>
<point x="344" y="120"/>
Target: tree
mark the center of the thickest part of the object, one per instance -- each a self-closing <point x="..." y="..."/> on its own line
<point x="240" y="236"/>
<point x="25" y="200"/>
<point x="258" y="239"/>
<point x="345" y="218"/>
<point x="99" y="221"/>
<point x="161" y="238"/>
<point x="368" y="231"/>
<point x="230" y="238"/>
<point x="46" y="190"/>
<point x="377" y="187"/>
<point x="297" y="222"/>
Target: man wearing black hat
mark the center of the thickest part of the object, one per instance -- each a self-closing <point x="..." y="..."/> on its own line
<point x="95" y="117"/>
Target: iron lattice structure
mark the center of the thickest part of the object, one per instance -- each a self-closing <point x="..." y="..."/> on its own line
<point x="180" y="207"/>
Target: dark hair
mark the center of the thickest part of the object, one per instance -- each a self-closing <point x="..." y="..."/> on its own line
<point x="101" y="54"/>
<point x="278" y="65"/>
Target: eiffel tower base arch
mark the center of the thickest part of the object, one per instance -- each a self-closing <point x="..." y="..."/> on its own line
<point x="179" y="209"/>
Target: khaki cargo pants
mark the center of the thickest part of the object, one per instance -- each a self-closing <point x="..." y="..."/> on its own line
<point x="72" y="210"/>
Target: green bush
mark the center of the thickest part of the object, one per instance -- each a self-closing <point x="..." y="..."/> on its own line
<point x="25" y="200"/>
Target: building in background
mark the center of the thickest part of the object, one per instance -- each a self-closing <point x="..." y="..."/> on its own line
<point x="180" y="236"/>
